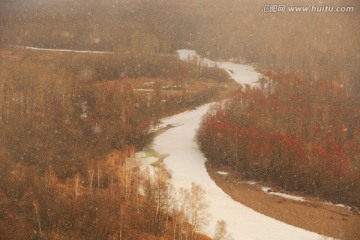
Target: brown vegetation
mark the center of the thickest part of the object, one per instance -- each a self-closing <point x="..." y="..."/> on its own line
<point x="116" y="199"/>
<point x="63" y="109"/>
<point x="313" y="46"/>
<point x="61" y="114"/>
<point x="286" y="42"/>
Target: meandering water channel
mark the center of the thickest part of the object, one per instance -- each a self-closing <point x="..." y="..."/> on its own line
<point x="187" y="165"/>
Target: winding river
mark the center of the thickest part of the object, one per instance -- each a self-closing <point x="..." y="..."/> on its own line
<point x="187" y="165"/>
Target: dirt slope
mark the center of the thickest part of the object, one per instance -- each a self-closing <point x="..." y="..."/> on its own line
<point x="314" y="215"/>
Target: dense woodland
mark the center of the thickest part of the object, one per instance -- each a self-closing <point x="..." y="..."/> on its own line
<point x="300" y="135"/>
<point x="70" y="122"/>
<point x="312" y="46"/>
<point x="94" y="104"/>
<point x="116" y="199"/>
<point x="287" y="42"/>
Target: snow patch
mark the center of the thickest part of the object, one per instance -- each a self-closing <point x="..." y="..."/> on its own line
<point x="340" y="205"/>
<point x="251" y="182"/>
<point x="284" y="195"/>
<point x="143" y="89"/>
<point x="222" y="173"/>
<point x="61" y="50"/>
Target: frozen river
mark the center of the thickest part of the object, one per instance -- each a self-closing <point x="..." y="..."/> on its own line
<point x="187" y="165"/>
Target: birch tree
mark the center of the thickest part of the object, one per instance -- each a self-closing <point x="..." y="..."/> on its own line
<point x="221" y="231"/>
<point x="198" y="208"/>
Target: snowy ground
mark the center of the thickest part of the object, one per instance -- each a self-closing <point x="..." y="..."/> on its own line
<point x="283" y="195"/>
<point x="187" y="165"/>
<point x="60" y="50"/>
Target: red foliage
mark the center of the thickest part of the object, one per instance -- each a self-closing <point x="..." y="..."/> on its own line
<point x="290" y="127"/>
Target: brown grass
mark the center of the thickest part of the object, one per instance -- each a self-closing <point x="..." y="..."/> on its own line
<point x="313" y="215"/>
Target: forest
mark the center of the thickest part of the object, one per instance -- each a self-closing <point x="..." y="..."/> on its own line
<point x="285" y="42"/>
<point x="70" y="126"/>
<point x="71" y="123"/>
<point x="300" y="135"/>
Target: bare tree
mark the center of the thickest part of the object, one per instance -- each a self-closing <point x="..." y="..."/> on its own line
<point x="198" y="208"/>
<point x="91" y="171"/>
<point x="77" y="185"/>
<point x="221" y="231"/>
<point x="36" y="207"/>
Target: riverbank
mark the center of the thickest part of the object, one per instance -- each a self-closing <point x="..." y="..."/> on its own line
<point x="312" y="214"/>
<point x="187" y="165"/>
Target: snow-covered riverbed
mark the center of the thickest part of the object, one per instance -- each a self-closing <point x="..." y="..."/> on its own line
<point x="58" y="50"/>
<point x="187" y="165"/>
<point x="242" y="74"/>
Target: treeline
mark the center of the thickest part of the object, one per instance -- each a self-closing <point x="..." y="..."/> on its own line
<point x="116" y="199"/>
<point x="314" y="46"/>
<point x="288" y="42"/>
<point x="143" y="26"/>
<point x="299" y="135"/>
